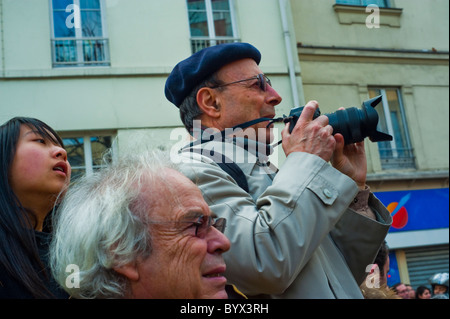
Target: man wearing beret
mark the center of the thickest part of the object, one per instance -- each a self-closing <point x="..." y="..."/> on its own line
<point x="306" y="230"/>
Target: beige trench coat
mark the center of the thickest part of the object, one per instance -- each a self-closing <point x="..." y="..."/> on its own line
<point x="293" y="236"/>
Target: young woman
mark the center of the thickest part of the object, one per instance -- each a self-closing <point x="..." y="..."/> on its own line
<point x="34" y="172"/>
<point x="423" y="292"/>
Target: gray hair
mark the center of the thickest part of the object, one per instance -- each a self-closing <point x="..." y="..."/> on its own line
<point x="189" y="110"/>
<point x="102" y="223"/>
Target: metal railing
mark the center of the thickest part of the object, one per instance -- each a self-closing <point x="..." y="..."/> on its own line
<point x="199" y="43"/>
<point x="396" y="158"/>
<point x="80" y="52"/>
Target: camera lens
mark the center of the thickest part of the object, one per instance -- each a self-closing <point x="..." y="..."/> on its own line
<point x="354" y="124"/>
<point x="349" y="123"/>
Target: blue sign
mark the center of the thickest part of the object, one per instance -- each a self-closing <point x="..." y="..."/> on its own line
<point x="393" y="275"/>
<point x="417" y="209"/>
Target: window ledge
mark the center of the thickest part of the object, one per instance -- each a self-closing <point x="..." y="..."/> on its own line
<point x="348" y="14"/>
<point x="408" y="175"/>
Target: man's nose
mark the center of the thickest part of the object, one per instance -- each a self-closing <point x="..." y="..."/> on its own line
<point x="217" y="241"/>
<point x="273" y="97"/>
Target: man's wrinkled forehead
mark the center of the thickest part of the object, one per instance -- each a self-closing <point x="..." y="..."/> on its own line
<point x="170" y="195"/>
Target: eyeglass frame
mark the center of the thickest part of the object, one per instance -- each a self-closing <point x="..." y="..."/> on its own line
<point x="263" y="80"/>
<point x="218" y="223"/>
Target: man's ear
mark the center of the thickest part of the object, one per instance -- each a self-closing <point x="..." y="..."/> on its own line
<point x="207" y="101"/>
<point x="129" y="270"/>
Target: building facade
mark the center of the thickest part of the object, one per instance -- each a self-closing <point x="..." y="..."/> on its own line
<point x="350" y="51"/>
<point x="95" y="71"/>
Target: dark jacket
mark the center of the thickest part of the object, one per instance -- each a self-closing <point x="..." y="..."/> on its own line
<point x="10" y="288"/>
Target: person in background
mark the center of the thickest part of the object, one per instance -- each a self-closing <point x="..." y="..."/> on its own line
<point x="411" y="291"/>
<point x="138" y="228"/>
<point x="401" y="290"/>
<point x="34" y="173"/>
<point x="423" y="292"/>
<point x="382" y="261"/>
<point x="375" y="286"/>
<point x="439" y="285"/>
<point x="306" y="230"/>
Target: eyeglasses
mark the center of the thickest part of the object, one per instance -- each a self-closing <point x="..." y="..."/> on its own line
<point x="201" y="225"/>
<point x="263" y="80"/>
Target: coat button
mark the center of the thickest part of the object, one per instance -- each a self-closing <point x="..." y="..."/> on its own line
<point x="327" y="193"/>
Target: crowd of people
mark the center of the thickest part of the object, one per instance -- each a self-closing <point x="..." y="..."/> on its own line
<point x="437" y="289"/>
<point x="376" y="284"/>
<point x="217" y="221"/>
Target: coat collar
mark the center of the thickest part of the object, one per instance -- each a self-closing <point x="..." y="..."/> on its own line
<point x="243" y="151"/>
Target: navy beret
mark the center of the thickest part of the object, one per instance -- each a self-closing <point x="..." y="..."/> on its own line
<point x="190" y="72"/>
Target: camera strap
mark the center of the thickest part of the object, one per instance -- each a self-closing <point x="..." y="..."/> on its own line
<point x="224" y="162"/>
<point x="222" y="134"/>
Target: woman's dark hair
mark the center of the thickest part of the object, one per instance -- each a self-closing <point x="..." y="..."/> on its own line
<point x="382" y="256"/>
<point x="420" y="290"/>
<point x="18" y="250"/>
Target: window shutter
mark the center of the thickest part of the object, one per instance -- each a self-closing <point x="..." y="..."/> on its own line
<point x="423" y="262"/>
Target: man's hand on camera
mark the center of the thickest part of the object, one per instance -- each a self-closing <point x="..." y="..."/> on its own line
<point x="310" y="136"/>
<point x="350" y="160"/>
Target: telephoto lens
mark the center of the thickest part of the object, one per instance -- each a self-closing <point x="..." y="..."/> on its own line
<point x="353" y="123"/>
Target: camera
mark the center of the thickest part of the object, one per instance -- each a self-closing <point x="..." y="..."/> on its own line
<point x="353" y="123"/>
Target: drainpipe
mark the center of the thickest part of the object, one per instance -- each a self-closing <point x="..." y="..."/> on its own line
<point x="2" y="43"/>
<point x="290" y="60"/>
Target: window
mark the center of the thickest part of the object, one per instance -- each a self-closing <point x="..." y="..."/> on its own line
<point x="380" y="3"/>
<point x="79" y="35"/>
<point x="86" y="153"/>
<point x="211" y="22"/>
<point x="398" y="153"/>
<point x="359" y="12"/>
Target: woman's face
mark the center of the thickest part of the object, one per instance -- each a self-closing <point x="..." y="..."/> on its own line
<point x="39" y="169"/>
<point x="425" y="295"/>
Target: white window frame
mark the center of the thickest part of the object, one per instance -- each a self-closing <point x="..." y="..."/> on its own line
<point x="87" y="150"/>
<point x="391" y="161"/>
<point x="212" y="39"/>
<point x="78" y="38"/>
<point x="387" y="115"/>
<point x="361" y="3"/>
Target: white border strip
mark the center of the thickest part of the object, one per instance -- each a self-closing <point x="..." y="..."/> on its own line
<point x="418" y="238"/>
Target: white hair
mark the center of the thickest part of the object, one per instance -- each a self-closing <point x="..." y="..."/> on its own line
<point x="102" y="223"/>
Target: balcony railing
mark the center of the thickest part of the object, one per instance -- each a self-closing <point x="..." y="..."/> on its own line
<point x="396" y="158"/>
<point x="80" y="52"/>
<point x="199" y="43"/>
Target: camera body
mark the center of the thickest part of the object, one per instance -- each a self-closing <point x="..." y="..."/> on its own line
<point x="354" y="124"/>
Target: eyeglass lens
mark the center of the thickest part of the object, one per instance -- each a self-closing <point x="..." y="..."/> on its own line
<point x="263" y="81"/>
<point x="205" y="222"/>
